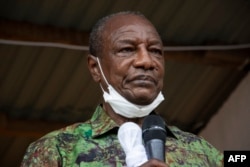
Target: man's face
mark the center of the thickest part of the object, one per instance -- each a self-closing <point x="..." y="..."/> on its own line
<point x="132" y="58"/>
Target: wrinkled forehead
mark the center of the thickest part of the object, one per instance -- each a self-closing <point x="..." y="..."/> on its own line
<point x="117" y="22"/>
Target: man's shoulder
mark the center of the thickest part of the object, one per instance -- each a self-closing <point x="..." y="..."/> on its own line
<point x="69" y="133"/>
<point x="51" y="146"/>
<point x="183" y="135"/>
<point x="196" y="148"/>
<point x="189" y="139"/>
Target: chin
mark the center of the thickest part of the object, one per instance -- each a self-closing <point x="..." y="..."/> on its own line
<point x="143" y="100"/>
<point x="142" y="96"/>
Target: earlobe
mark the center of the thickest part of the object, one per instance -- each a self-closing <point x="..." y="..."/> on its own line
<point x="94" y="68"/>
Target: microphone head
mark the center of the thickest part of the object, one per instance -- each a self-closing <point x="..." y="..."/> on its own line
<point x="153" y="127"/>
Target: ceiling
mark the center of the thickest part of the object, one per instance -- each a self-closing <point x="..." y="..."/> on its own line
<point x="45" y="84"/>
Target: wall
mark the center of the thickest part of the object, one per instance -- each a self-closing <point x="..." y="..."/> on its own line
<point x="229" y="129"/>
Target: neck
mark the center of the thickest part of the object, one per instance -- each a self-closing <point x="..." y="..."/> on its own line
<point x="118" y="118"/>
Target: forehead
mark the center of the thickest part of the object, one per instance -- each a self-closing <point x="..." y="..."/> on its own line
<point x="128" y="21"/>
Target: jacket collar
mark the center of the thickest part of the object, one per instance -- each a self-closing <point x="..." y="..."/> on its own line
<point x="101" y="124"/>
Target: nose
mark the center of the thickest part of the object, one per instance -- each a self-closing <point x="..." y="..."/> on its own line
<point x="143" y="59"/>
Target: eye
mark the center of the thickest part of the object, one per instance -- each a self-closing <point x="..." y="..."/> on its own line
<point x="156" y="51"/>
<point x="126" y="50"/>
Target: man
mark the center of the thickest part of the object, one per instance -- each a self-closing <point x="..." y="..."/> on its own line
<point x="126" y="59"/>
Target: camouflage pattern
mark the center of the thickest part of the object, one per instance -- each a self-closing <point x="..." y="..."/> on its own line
<point x="94" y="143"/>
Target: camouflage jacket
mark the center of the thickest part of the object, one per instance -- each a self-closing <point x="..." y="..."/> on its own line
<point x="94" y="143"/>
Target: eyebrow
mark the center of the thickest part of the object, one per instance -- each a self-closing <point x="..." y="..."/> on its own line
<point x="125" y="41"/>
<point x="131" y="41"/>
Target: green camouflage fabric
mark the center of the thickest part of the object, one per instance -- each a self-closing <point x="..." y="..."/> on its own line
<point x="94" y="143"/>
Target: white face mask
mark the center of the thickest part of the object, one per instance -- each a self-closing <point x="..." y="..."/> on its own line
<point x="123" y="107"/>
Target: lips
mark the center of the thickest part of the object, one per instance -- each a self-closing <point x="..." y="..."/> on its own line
<point x="143" y="80"/>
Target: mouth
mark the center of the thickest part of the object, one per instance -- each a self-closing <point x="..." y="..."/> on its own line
<point x="143" y="80"/>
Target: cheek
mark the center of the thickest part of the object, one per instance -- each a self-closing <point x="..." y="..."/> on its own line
<point x="161" y="68"/>
<point x="117" y="74"/>
<point x="120" y="73"/>
<point x="161" y="74"/>
<point x="161" y="83"/>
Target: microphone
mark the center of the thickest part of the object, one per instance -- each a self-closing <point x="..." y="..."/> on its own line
<point x="154" y="137"/>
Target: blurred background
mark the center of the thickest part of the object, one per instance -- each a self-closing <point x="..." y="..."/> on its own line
<point x="45" y="84"/>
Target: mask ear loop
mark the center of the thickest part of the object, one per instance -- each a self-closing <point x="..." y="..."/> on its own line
<point x="99" y="64"/>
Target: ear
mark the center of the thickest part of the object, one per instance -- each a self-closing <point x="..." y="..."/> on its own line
<point x="94" y="68"/>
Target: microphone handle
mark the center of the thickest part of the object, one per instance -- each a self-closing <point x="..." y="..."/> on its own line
<point x="155" y="148"/>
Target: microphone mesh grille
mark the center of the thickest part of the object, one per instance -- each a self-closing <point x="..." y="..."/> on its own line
<point x="153" y="127"/>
